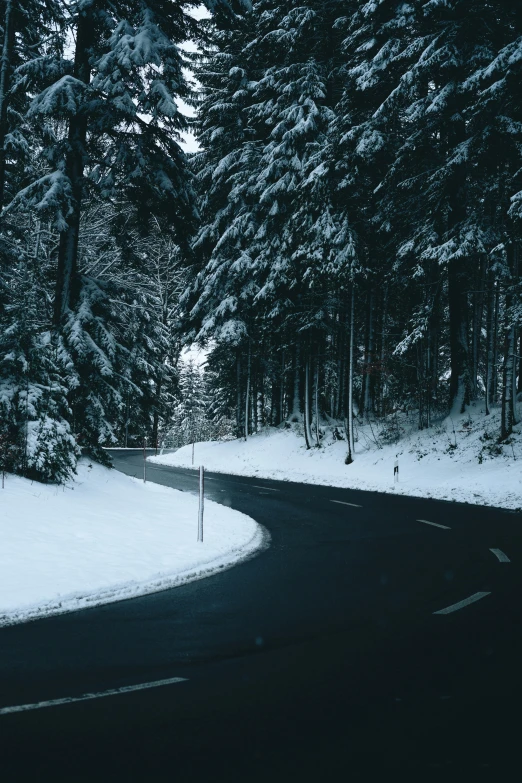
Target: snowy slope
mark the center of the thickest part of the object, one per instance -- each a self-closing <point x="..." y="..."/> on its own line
<point x="105" y="537"/>
<point x="429" y="463"/>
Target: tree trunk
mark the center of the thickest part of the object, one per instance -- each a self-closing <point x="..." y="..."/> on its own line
<point x="66" y="279"/>
<point x="307" y="427"/>
<point x="460" y="373"/>
<point x="5" y="85"/>
<point x="252" y="410"/>
<point x="156" y="417"/>
<point x="254" y="402"/>
<point x="366" y="392"/>
<point x="519" y="383"/>
<point x="420" y="396"/>
<point x="337" y="391"/>
<point x="508" y="418"/>
<point x="281" y="416"/>
<point x="127" y="423"/>
<point x="239" y="404"/>
<point x="382" y="375"/>
<point x="514" y="376"/>
<point x="478" y="309"/>
<point x="490" y="344"/>
<point x="259" y="409"/>
<point x="516" y="260"/>
<point x="316" y="406"/>
<point x="247" y="396"/>
<point x="273" y="415"/>
<point x="509" y="363"/>
<point x="338" y="408"/>
<point x="349" y="412"/>
<point x="296" y="402"/>
<point x="433" y="345"/>
<point x="495" y="343"/>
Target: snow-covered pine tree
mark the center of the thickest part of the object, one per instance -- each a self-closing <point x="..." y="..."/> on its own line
<point x="495" y="143"/>
<point x="151" y="311"/>
<point x="267" y="228"/>
<point x="34" y="412"/>
<point x="377" y="49"/>
<point x="433" y="173"/>
<point x="116" y="133"/>
<point x="32" y="38"/>
<point x="220" y="304"/>
<point x="37" y="440"/>
<point x="193" y="404"/>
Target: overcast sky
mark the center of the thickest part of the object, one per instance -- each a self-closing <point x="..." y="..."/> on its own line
<point x="190" y="144"/>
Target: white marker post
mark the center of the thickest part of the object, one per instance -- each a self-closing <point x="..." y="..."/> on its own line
<point x="201" y="501"/>
<point x="396" y="471"/>
<point x="144" y="460"/>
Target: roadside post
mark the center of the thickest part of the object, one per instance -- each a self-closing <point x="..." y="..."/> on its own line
<point x="201" y="501"/>
<point x="396" y="471"/>
<point x="144" y="460"/>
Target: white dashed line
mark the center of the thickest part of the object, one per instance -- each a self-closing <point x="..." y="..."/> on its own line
<point x="435" y="524"/>
<point x="462" y="604"/>
<point x="88" y="696"/>
<point x="268" y="488"/>
<point x="344" y="503"/>
<point x="501" y="555"/>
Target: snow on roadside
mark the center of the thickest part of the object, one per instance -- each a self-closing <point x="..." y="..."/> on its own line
<point x="106" y="537"/>
<point x="476" y="470"/>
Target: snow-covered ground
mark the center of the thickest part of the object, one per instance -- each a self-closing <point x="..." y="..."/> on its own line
<point x="105" y="537"/>
<point x="475" y="470"/>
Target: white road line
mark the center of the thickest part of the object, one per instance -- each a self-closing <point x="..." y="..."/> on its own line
<point x="435" y="524"/>
<point x="344" y="503"/>
<point x="257" y="486"/>
<point x="501" y="555"/>
<point x="87" y="696"/>
<point x="462" y="604"/>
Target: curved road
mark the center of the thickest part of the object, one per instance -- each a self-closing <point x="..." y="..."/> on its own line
<point x="348" y="648"/>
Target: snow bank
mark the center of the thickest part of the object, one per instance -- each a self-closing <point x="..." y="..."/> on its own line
<point x="476" y="470"/>
<point x="105" y="537"/>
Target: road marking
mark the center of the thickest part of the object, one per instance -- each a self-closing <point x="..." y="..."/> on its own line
<point x="503" y="558"/>
<point x="257" y="486"/>
<point x="435" y="524"/>
<point x="87" y="696"/>
<point x="344" y="503"/>
<point x="462" y="604"/>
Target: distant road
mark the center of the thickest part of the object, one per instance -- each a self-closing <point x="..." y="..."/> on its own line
<point x="377" y="633"/>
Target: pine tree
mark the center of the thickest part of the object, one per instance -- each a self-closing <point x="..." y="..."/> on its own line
<point x="127" y="66"/>
<point x="34" y="411"/>
<point x="496" y="133"/>
<point x="368" y="148"/>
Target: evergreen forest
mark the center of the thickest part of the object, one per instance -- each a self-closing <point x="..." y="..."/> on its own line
<point x="344" y="244"/>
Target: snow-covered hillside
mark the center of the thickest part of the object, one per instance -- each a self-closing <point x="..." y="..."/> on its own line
<point x="457" y="459"/>
<point x="105" y="537"/>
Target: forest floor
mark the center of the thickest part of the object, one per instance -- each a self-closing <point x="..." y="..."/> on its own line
<point x="104" y="537"/>
<point x="458" y="459"/>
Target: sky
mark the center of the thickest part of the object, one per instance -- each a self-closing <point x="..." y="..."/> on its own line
<point x="190" y="144"/>
<point x="197" y="355"/>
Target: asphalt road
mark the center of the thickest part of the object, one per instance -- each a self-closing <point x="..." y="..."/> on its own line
<point x="323" y="658"/>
